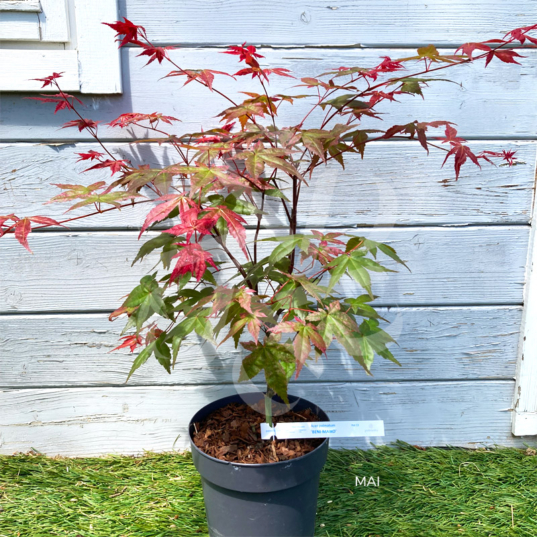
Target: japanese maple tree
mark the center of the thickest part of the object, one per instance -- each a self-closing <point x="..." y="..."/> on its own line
<point x="283" y="303"/>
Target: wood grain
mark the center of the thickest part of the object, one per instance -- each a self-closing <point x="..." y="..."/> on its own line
<point x="316" y="22"/>
<point x="396" y="183"/>
<point x="496" y="102"/>
<point x="97" y="421"/>
<point x="91" y="270"/>
<point x="434" y="343"/>
<point x="20" y="5"/>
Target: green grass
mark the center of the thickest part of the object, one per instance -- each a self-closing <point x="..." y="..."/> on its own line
<point x="433" y="492"/>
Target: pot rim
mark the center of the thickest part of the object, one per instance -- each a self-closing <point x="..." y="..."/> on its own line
<point x="255" y="465"/>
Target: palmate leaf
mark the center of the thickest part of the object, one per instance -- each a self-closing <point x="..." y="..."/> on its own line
<point x="239" y="206"/>
<point x="377" y="339"/>
<point x="288" y="244"/>
<point x="348" y="100"/>
<point x="162" y="353"/>
<point x="141" y="359"/>
<point x="144" y="301"/>
<point x="163" y="240"/>
<point x="112" y="198"/>
<point x="359" y="307"/>
<point x="306" y="336"/>
<point x="256" y="159"/>
<point x="276" y="359"/>
<point x="355" y="265"/>
<point x="197" y="322"/>
<point x="361" y="342"/>
<point x="387" y="250"/>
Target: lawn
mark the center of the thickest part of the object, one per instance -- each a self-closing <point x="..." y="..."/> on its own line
<point x="431" y="492"/>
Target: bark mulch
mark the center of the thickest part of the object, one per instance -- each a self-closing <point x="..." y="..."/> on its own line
<point x="233" y="433"/>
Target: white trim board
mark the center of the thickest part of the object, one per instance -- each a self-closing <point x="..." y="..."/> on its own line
<point x="90" y="60"/>
<point x="525" y="399"/>
<point x="33" y="6"/>
<point x="44" y="21"/>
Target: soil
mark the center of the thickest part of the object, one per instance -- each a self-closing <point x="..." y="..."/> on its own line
<point x="233" y="433"/>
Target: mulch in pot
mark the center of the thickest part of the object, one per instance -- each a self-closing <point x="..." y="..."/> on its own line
<point x="233" y="433"/>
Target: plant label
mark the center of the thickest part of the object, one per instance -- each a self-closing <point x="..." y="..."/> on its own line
<point x="323" y="429"/>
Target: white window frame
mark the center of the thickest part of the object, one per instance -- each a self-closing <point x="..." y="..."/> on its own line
<point x="38" y="38"/>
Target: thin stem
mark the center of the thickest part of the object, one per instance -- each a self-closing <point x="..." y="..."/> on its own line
<point x="61" y="222"/>
<point x="258" y="227"/>
<point x="232" y="258"/>
<point x="269" y="394"/>
<point x="90" y="130"/>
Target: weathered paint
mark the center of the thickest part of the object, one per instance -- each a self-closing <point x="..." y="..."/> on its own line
<point x="96" y="421"/>
<point x="446" y="343"/>
<point x="318" y="22"/>
<point x="92" y="270"/>
<point x="458" y="362"/>
<point x="494" y="102"/>
<point x="395" y="184"/>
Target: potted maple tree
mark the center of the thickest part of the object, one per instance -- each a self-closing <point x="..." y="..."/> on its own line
<point x="278" y="296"/>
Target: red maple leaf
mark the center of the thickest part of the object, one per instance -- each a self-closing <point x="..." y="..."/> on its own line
<point x="205" y="75"/>
<point x="154" y="53"/>
<point x="506" y="56"/>
<point x="461" y="153"/>
<point x="49" y="80"/>
<point x="508" y="156"/>
<point x="257" y="71"/>
<point x="61" y="99"/>
<point x="4" y="219"/>
<point x="130" y="31"/>
<point x="245" y="53"/>
<point x="114" y="165"/>
<point x="519" y="34"/>
<point x="234" y="223"/>
<point x="468" y="48"/>
<point x="161" y="211"/>
<point x="22" y="230"/>
<point x="192" y="258"/>
<point x="124" y="120"/>
<point x="44" y="220"/>
<point x="90" y="155"/>
<point x="190" y="224"/>
<point x="23" y="226"/>
<point x="387" y="66"/>
<point x="130" y="341"/>
<point x="451" y="136"/>
<point x="81" y="124"/>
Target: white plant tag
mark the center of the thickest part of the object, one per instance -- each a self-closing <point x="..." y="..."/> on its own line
<point x="323" y="429"/>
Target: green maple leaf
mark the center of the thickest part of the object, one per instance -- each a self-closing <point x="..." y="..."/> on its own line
<point x="276" y="359"/>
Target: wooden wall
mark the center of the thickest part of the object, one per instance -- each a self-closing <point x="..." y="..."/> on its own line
<point x="456" y="315"/>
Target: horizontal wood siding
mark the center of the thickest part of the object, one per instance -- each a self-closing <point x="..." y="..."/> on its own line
<point x="456" y="316"/>
<point x="317" y="22"/>
<point x="496" y="102"/>
<point x="92" y="270"/>
<point x="434" y="343"/>
<point x="395" y="184"/>
<point x="93" y="421"/>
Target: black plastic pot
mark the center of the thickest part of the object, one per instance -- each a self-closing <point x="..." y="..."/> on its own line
<point x="260" y="500"/>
